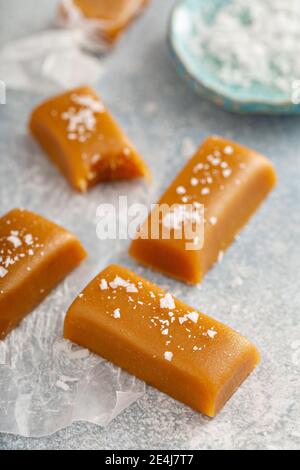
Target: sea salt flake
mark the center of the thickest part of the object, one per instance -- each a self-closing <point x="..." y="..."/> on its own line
<point x="228" y="150"/>
<point x="95" y="158"/>
<point x="193" y="316"/>
<point x="168" y="356"/>
<point x="227" y="172"/>
<point x="15" y="241"/>
<point x="131" y="288"/>
<point x="103" y="284"/>
<point x="117" y="313"/>
<point x="213" y="220"/>
<point x="167" y="302"/>
<point x="198" y="167"/>
<point x="3" y="272"/>
<point x="126" y="151"/>
<point x="211" y="333"/>
<point x="180" y="190"/>
<point x="28" y="239"/>
<point x="205" y="191"/>
<point x="120" y="282"/>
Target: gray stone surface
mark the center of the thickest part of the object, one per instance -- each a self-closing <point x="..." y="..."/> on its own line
<point x="256" y="289"/>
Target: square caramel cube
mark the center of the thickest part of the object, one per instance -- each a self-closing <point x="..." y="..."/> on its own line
<point x="82" y="139"/>
<point x="168" y="344"/>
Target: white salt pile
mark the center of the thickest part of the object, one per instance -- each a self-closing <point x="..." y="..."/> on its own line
<point x="252" y="42"/>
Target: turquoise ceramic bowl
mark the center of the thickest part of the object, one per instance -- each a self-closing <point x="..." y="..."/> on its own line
<point x="199" y="75"/>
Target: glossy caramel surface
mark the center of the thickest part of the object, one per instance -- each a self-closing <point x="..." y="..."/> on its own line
<point x="176" y="348"/>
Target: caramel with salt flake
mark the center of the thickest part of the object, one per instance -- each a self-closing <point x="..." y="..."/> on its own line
<point x="139" y="327"/>
<point x="83" y="140"/>
<point x="226" y="179"/>
<point x="35" y="255"/>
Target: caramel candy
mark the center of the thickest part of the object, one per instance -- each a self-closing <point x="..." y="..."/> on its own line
<point x="82" y="139"/>
<point x="109" y="17"/>
<point x="158" y="338"/>
<point x="227" y="180"/>
<point x="35" y="255"/>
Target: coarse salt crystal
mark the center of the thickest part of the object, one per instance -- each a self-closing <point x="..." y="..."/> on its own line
<point x="168" y="356"/>
<point x="213" y="220"/>
<point x="180" y="190"/>
<point x="120" y="282"/>
<point x="193" y="316"/>
<point x="198" y="167"/>
<point x="14" y="240"/>
<point x="103" y="284"/>
<point x="28" y="239"/>
<point x="211" y="333"/>
<point x="227" y="172"/>
<point x="228" y="150"/>
<point x="205" y="191"/>
<point x="167" y="302"/>
<point x="95" y="158"/>
<point x="3" y="272"/>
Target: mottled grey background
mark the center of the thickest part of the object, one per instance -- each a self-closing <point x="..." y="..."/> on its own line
<point x="256" y="289"/>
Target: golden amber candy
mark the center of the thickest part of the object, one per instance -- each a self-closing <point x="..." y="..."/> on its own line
<point x="110" y="17"/>
<point x="226" y="179"/>
<point x="35" y="255"/>
<point x="139" y="327"/>
<point x="82" y="139"/>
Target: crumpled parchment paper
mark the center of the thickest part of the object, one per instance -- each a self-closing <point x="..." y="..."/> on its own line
<point x="48" y="61"/>
<point x="47" y="382"/>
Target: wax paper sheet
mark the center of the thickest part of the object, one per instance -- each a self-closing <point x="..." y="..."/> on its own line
<point x="48" y="61"/>
<point x="47" y="382"/>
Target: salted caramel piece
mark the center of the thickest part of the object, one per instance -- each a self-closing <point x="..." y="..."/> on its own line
<point x="82" y="139"/>
<point x="109" y="18"/>
<point x="184" y="353"/>
<point x="35" y="255"/>
<point x="227" y="181"/>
